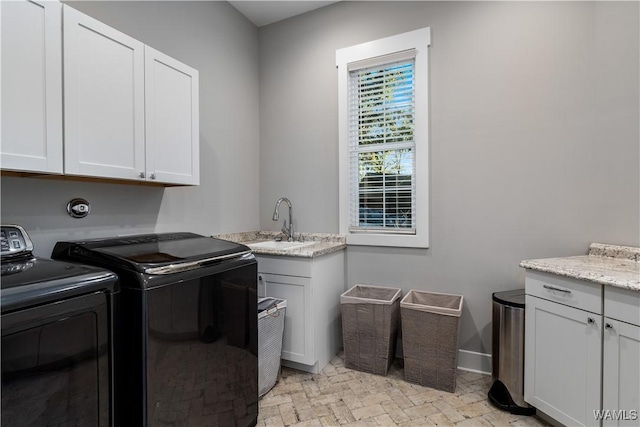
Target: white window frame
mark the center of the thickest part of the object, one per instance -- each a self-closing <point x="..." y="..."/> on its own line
<point x="418" y="40"/>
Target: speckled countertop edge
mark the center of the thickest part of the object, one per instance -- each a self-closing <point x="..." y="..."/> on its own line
<point x="325" y="243"/>
<point x="614" y="251"/>
<point x="605" y="264"/>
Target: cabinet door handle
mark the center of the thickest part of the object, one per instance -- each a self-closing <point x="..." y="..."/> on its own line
<point x="141" y="175"/>
<point x="591" y="320"/>
<point x="608" y="326"/>
<point x="152" y="176"/>
<point x="554" y="288"/>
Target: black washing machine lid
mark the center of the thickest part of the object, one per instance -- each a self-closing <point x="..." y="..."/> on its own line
<point x="34" y="281"/>
<point x="152" y="253"/>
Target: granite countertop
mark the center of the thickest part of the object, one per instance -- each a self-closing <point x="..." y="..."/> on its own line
<point x="318" y="243"/>
<point x="605" y="264"/>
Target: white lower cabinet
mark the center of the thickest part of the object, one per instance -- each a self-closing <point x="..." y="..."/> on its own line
<point x="563" y="359"/>
<point x="621" y="374"/>
<point x="621" y="360"/>
<point x="298" y="322"/>
<point x="582" y="351"/>
<point x="312" y="288"/>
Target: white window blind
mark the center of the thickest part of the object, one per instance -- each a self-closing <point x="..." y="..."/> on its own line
<point x="382" y="180"/>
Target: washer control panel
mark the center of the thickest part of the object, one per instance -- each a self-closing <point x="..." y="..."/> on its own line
<point x="14" y="241"/>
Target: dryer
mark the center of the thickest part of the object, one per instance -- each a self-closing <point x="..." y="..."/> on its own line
<point x="56" y="338"/>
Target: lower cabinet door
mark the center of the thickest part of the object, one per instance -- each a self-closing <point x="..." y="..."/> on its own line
<point x="621" y="376"/>
<point x="563" y="361"/>
<point x="297" y="345"/>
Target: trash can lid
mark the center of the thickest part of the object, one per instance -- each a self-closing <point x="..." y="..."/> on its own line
<point x="514" y="298"/>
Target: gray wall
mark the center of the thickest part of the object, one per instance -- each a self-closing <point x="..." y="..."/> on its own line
<point x="216" y="39"/>
<point x="534" y="137"/>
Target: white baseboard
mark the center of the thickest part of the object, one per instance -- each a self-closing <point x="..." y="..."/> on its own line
<point x="474" y="362"/>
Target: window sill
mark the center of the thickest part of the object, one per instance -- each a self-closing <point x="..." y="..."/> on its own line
<point x="419" y="240"/>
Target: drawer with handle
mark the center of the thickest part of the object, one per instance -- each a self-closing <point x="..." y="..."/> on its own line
<point x="564" y="290"/>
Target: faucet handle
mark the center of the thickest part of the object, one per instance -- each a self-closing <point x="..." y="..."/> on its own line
<point x="284" y="229"/>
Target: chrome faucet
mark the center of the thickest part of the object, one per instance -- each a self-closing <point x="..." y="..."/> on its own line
<point x="288" y="231"/>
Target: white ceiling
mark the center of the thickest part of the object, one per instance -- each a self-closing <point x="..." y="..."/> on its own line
<point x="267" y="12"/>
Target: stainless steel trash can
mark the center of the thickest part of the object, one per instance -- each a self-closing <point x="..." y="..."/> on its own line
<point x="507" y="391"/>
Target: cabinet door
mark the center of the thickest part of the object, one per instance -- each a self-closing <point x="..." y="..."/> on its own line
<point x="621" y="376"/>
<point x="297" y="345"/>
<point x="31" y="86"/>
<point x="563" y="361"/>
<point x="172" y="120"/>
<point x="103" y="100"/>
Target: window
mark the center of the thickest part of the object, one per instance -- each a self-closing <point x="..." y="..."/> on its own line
<point x="383" y="134"/>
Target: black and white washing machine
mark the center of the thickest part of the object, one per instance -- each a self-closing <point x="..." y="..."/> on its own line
<point x="56" y="338"/>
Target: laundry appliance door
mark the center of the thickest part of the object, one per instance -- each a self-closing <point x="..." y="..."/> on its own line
<point x="55" y="364"/>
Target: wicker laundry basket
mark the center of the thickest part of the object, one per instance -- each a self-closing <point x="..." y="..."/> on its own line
<point x="370" y="316"/>
<point x="430" y="329"/>
<point x="271" y="312"/>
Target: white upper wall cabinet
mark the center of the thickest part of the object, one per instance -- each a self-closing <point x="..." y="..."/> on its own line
<point x="172" y="112"/>
<point x="131" y="112"/>
<point x="103" y="100"/>
<point x="31" y="86"/>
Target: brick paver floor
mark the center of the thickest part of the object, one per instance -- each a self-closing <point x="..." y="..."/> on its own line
<point x="341" y="396"/>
